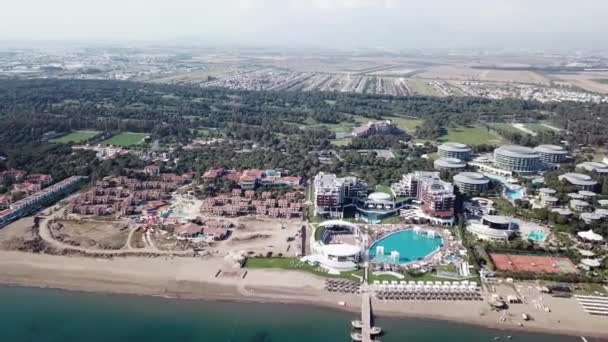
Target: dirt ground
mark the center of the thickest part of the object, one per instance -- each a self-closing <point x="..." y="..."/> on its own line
<point x="261" y="236"/>
<point x="92" y="233"/>
<point x="15" y="235"/>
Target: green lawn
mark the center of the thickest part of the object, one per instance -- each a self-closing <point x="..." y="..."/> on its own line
<point x="296" y="265"/>
<point x="75" y="137"/>
<point x="125" y="139"/>
<point x="590" y="290"/>
<point x="537" y="127"/>
<point x="407" y="124"/>
<point x="392" y="220"/>
<point x="471" y="135"/>
<point x="506" y="127"/>
<point x="341" y="142"/>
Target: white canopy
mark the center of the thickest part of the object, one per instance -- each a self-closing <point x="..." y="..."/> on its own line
<point x="590" y="235"/>
<point x="586" y="253"/>
<point x="590" y="262"/>
<point x="341" y="250"/>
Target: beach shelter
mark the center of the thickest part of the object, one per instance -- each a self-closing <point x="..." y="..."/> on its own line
<point x="589" y="235"/>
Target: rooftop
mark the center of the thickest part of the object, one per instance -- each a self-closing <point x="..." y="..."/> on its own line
<point x="579" y="203"/>
<point x="380" y="196"/>
<point x="516" y="151"/>
<point x="449" y="163"/>
<point x="593" y="166"/>
<point x="454" y="147"/>
<point x="547" y="191"/>
<point x="471" y="178"/>
<point x="498" y="219"/>
<point x="554" y="149"/>
<point x="578" y="179"/>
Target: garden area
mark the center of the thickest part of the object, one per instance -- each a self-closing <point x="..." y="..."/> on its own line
<point x="125" y="139"/>
<point x="75" y="137"/>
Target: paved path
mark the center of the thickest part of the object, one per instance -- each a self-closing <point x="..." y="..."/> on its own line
<point x="366" y="317"/>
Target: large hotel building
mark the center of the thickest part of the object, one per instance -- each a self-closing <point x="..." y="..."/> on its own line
<point x="517" y="158"/>
<point x="437" y="196"/>
<point x="331" y="193"/>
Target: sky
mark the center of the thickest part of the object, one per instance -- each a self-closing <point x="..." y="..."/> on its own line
<point x="391" y="24"/>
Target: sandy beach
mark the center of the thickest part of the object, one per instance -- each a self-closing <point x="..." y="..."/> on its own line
<point x="193" y="278"/>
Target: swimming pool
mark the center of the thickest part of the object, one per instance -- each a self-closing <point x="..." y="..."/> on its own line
<point x="537" y="235"/>
<point x="410" y="244"/>
<point x="514" y="194"/>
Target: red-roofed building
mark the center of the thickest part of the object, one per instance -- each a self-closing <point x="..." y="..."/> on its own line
<point x="214" y="173"/>
<point x="289" y="181"/>
<point x="42" y="179"/>
<point x="14" y="175"/>
<point x="247" y="182"/>
<point x="189" y="230"/>
<point x="233" y="175"/>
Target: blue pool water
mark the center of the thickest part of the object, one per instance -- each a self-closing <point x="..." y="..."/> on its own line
<point x="537" y="235"/>
<point x="515" y="194"/>
<point x="411" y="246"/>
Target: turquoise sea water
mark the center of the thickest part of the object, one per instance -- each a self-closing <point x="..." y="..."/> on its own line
<point x="43" y="315"/>
<point x="410" y="245"/>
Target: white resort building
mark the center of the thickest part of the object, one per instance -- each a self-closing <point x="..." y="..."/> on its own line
<point x="580" y="180"/>
<point x="339" y="247"/>
<point x="436" y="195"/>
<point x="593" y="167"/>
<point x="331" y="193"/>
<point x="449" y="164"/>
<point x="517" y="159"/>
<point x="468" y="182"/>
<point x="551" y="154"/>
<point x="454" y="150"/>
<point x="493" y="228"/>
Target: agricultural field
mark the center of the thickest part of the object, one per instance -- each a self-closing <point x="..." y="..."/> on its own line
<point x="471" y="135"/>
<point x="75" y="137"/>
<point x="125" y="139"/>
<point x="420" y="87"/>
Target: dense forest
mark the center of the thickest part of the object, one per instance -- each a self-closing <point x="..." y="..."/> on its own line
<point x="286" y="127"/>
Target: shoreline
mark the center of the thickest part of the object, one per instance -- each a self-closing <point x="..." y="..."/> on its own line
<point x="30" y="270"/>
<point x="236" y="300"/>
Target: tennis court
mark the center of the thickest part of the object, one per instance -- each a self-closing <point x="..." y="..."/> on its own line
<point x="530" y="263"/>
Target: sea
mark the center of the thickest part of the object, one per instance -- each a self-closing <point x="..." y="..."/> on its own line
<point x="47" y="315"/>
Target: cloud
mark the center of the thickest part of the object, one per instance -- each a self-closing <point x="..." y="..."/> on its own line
<point x="391" y="23"/>
<point x="333" y="6"/>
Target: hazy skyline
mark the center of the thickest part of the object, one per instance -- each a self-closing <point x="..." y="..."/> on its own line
<point x="396" y="24"/>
